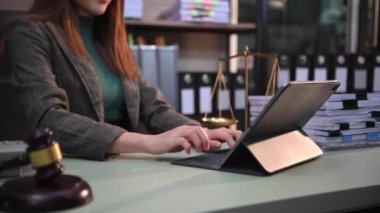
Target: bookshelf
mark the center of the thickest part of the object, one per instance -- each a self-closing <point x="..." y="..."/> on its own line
<point x="200" y="44"/>
<point x="151" y="25"/>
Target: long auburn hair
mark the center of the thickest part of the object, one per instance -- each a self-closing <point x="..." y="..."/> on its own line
<point x="109" y="32"/>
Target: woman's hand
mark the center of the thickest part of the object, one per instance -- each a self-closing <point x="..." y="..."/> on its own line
<point x="224" y="135"/>
<point x="187" y="137"/>
<point x="181" y="138"/>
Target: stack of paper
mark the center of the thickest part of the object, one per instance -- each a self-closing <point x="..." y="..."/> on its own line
<point x="133" y="9"/>
<point x="214" y="11"/>
<point x="256" y="104"/>
<point x="347" y="120"/>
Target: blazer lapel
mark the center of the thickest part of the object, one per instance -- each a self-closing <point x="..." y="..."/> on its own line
<point x="132" y="100"/>
<point x="85" y="72"/>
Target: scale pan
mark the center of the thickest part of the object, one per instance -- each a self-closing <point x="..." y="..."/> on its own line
<point x="219" y="121"/>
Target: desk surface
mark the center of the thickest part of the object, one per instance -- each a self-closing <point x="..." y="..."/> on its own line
<point x="346" y="179"/>
<point x="339" y="180"/>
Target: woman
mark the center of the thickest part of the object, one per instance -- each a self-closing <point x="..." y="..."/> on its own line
<point x="75" y="74"/>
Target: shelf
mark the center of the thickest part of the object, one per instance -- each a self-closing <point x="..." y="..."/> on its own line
<point x="190" y="26"/>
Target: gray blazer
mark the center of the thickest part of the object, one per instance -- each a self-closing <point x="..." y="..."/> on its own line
<point x="62" y="92"/>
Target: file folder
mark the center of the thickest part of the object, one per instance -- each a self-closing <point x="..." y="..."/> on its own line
<point x="168" y="79"/>
<point x="361" y="63"/>
<point x="187" y="86"/>
<point x="340" y="72"/>
<point x="320" y="67"/>
<point x="376" y="74"/>
<point x="302" y="68"/>
<point x="149" y="63"/>
<point x="205" y="85"/>
<point x="284" y="74"/>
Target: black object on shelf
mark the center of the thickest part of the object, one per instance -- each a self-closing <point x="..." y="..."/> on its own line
<point x="49" y="189"/>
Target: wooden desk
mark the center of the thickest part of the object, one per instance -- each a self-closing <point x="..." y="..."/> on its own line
<point x="339" y="180"/>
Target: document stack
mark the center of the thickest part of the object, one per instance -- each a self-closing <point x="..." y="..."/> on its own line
<point x="213" y="11"/>
<point x="133" y="9"/>
<point x="256" y="104"/>
<point x="346" y="120"/>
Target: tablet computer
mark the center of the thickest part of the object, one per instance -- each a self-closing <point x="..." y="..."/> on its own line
<point x="274" y="140"/>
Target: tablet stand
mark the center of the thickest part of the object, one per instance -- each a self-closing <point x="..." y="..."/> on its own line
<point x="283" y="151"/>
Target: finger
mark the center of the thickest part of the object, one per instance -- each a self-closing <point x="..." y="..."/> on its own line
<point x="230" y="141"/>
<point x="236" y="134"/>
<point x="231" y="137"/>
<point x="204" y="138"/>
<point x="215" y="144"/>
<point x="194" y="139"/>
<point x="200" y="137"/>
<point x="185" y="145"/>
<point x="224" y="135"/>
<point x="186" y="132"/>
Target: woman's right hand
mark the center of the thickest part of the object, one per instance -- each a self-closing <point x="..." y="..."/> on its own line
<point x="181" y="138"/>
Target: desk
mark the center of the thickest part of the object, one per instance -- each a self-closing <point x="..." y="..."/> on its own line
<point x="339" y="180"/>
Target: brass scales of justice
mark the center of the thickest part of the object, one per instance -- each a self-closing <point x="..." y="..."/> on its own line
<point x="220" y="83"/>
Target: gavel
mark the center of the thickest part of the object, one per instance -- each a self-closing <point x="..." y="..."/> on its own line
<point x="49" y="189"/>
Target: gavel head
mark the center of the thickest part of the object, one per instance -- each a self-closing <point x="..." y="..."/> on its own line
<point x="44" y="155"/>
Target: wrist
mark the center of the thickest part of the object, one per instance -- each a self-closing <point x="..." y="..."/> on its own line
<point x="207" y="131"/>
<point x="145" y="143"/>
<point x="130" y="142"/>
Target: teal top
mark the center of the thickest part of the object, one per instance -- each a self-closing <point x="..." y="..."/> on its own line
<point x="110" y="81"/>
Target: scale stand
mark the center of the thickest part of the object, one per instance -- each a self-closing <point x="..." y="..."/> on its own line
<point x="222" y="121"/>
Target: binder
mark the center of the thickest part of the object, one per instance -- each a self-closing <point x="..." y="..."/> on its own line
<point x="238" y="88"/>
<point x="223" y="95"/>
<point x="168" y="79"/>
<point x="360" y="73"/>
<point x="302" y="67"/>
<point x="205" y="83"/>
<point x="340" y="72"/>
<point x="149" y="63"/>
<point x="376" y="73"/>
<point x="187" y="86"/>
<point x="320" y="67"/>
<point x="238" y="97"/>
<point x="136" y="54"/>
<point x="283" y="76"/>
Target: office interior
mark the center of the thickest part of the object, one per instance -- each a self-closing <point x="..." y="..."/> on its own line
<point x="181" y="58"/>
